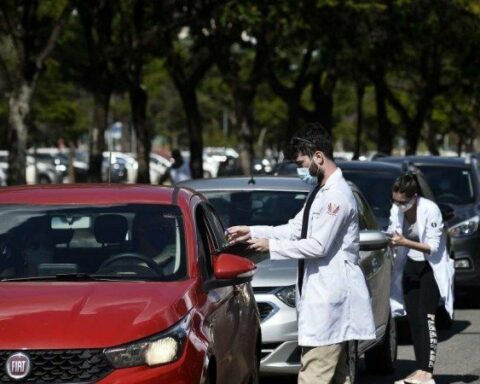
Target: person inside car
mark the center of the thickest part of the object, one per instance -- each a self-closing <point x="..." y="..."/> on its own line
<point x="423" y="271"/>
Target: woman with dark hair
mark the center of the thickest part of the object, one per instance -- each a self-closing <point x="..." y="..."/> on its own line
<point x="423" y="273"/>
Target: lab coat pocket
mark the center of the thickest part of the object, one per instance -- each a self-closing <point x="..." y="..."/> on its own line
<point x="331" y="286"/>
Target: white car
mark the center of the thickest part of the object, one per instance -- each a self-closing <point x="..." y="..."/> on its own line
<point x="127" y="159"/>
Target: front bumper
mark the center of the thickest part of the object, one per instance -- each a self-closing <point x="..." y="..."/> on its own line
<point x="280" y="352"/>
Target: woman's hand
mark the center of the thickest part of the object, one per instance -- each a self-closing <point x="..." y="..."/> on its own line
<point x="238" y="233"/>
<point x="398" y="240"/>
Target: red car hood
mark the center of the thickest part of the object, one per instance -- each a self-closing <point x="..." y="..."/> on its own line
<point x="88" y="314"/>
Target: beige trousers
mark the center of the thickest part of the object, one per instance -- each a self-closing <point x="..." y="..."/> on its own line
<point x="324" y="365"/>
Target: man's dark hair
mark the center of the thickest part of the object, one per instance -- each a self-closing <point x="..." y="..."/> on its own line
<point x="313" y="137"/>
<point x="406" y="184"/>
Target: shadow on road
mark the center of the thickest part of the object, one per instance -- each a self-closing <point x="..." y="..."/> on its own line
<point x="450" y="379"/>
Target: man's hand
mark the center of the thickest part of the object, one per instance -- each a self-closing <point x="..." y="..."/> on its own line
<point x="259" y="245"/>
<point x="238" y="233"/>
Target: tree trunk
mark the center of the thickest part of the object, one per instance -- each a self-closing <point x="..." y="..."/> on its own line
<point x="412" y="136"/>
<point x="244" y="121"/>
<point x="431" y="138"/>
<point x="359" y="130"/>
<point x="19" y="112"/>
<point x="97" y="135"/>
<point x="194" y="127"/>
<point x="138" y="103"/>
<point x="384" y="133"/>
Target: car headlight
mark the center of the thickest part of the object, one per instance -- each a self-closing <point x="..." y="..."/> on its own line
<point x="287" y="295"/>
<point x="465" y="228"/>
<point x="163" y="348"/>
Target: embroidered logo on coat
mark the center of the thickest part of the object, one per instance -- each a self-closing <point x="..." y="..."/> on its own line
<point x="333" y="209"/>
<point x="434" y="225"/>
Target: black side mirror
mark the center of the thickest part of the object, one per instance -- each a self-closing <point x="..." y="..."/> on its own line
<point x="447" y="211"/>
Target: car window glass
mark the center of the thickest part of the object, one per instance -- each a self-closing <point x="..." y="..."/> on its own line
<point x="206" y="243"/>
<point x="217" y="228"/>
<point x="376" y="187"/>
<point x="365" y="213"/>
<point x="256" y="207"/>
<point x="361" y="217"/>
<point x="453" y="185"/>
<point x="132" y="241"/>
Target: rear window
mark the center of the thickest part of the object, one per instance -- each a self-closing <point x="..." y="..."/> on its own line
<point x="256" y="207"/>
<point x="134" y="242"/>
<point x="450" y="185"/>
<point x="376" y="187"/>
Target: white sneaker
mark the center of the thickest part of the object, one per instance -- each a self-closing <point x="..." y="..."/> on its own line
<point x="412" y="381"/>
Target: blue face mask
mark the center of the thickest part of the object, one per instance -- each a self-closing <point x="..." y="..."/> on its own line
<point x="306" y="177"/>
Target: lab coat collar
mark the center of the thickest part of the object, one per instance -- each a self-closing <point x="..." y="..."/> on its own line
<point x="334" y="177"/>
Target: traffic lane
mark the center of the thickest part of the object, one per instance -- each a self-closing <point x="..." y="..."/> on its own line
<point x="458" y="358"/>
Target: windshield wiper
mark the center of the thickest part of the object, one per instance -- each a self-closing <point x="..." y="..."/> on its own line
<point x="62" y="277"/>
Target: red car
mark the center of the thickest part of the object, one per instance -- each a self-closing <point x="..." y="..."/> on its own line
<point x="121" y="284"/>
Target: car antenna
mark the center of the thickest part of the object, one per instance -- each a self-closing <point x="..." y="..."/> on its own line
<point x="109" y="167"/>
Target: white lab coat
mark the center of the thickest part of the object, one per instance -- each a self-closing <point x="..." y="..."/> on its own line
<point x="430" y="231"/>
<point x="335" y="303"/>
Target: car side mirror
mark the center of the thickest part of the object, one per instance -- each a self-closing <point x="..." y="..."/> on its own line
<point x="447" y="211"/>
<point x="372" y="240"/>
<point x="231" y="269"/>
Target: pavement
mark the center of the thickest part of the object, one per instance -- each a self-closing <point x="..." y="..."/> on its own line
<point x="458" y="355"/>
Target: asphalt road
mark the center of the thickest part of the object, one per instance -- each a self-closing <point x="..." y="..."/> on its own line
<point x="458" y="357"/>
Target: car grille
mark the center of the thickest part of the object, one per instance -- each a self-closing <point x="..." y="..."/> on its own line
<point x="267" y="349"/>
<point x="265" y="310"/>
<point x="61" y="366"/>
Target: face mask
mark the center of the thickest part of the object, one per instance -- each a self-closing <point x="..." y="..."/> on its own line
<point x="306" y="177"/>
<point x="405" y="207"/>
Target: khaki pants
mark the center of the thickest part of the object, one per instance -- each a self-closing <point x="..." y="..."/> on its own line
<point x="324" y="365"/>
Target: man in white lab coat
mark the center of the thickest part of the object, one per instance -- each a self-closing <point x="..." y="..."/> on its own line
<point x="333" y="302"/>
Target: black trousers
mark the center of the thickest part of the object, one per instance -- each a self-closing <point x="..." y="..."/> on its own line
<point x="421" y="301"/>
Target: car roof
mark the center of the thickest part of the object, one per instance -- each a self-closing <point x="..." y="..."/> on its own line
<point x="101" y="194"/>
<point x="429" y="160"/>
<point x="369" y="166"/>
<point x="268" y="183"/>
<point x="245" y="183"/>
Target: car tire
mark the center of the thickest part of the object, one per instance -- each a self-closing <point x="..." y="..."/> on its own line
<point x="352" y="359"/>
<point x="381" y="358"/>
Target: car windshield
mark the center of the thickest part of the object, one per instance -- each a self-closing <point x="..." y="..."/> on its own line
<point x="376" y="187"/>
<point x="451" y="185"/>
<point x="134" y="242"/>
<point x="256" y="207"/>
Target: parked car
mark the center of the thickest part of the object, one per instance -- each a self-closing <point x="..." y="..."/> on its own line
<point x="375" y="179"/>
<point x="126" y="161"/>
<point x="84" y="298"/>
<point x="455" y="182"/>
<point x="269" y="200"/>
<point x="117" y="172"/>
<point x="36" y="172"/>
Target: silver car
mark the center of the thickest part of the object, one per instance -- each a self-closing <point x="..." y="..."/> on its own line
<point x="273" y="201"/>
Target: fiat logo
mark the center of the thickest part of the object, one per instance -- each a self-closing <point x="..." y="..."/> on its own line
<point x="18" y="366"/>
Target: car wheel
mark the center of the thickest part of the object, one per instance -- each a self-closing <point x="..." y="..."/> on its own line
<point x="352" y="357"/>
<point x="381" y="358"/>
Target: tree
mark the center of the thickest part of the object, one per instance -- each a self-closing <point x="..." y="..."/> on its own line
<point x="97" y="71"/>
<point x="29" y="31"/>
<point x="240" y="53"/>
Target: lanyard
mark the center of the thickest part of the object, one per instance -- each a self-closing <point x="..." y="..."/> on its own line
<point x="306" y="215"/>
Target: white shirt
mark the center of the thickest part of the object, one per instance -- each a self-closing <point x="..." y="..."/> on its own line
<point x="335" y="303"/>
<point x="430" y="231"/>
<point x="181" y="173"/>
<point x="410" y="232"/>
